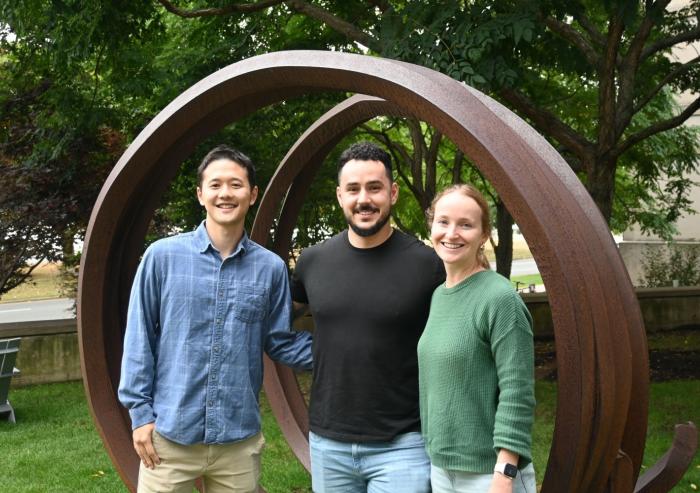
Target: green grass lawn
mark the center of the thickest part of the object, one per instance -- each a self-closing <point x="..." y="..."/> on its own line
<point x="522" y="282"/>
<point x="45" y="284"/>
<point x="55" y="448"/>
<point x="671" y="403"/>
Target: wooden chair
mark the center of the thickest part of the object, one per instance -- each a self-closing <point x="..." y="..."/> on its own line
<point x="8" y="355"/>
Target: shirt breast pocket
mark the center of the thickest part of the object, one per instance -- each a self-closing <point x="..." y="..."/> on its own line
<point x="251" y="303"/>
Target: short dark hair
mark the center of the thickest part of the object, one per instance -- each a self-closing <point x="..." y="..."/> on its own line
<point x="365" y="151"/>
<point x="225" y="152"/>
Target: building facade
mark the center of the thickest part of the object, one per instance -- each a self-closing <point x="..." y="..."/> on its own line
<point x="634" y="243"/>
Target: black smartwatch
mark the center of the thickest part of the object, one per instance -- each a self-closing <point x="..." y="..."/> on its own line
<point x="508" y="470"/>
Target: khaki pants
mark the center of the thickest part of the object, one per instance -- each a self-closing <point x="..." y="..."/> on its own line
<point x="232" y="467"/>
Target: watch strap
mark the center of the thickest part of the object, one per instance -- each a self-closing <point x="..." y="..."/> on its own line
<point x="507" y="469"/>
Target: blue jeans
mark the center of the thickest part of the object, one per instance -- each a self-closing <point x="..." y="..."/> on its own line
<point x="398" y="466"/>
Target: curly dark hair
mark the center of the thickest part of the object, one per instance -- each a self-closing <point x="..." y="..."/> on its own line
<point x="366" y="151"/>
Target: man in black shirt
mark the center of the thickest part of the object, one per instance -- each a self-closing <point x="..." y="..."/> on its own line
<point x="369" y="291"/>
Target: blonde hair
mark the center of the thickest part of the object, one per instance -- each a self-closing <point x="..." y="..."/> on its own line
<point x="471" y="192"/>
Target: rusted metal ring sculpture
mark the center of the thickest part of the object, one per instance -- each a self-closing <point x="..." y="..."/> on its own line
<point x="601" y="345"/>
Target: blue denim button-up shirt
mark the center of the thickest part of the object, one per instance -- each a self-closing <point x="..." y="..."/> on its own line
<point x="196" y="330"/>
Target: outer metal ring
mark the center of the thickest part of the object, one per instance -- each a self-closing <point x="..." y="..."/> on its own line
<point x="600" y="340"/>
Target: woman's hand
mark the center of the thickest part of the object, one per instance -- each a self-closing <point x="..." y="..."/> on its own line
<point x="501" y="484"/>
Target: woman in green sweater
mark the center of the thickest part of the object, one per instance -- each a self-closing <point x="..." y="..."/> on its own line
<point x="475" y="359"/>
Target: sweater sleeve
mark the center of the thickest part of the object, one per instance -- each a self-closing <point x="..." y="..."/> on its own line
<point x="512" y="348"/>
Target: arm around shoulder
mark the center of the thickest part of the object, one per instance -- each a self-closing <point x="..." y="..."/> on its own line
<point x="282" y="343"/>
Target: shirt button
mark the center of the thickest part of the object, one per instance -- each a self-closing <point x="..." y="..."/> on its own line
<point x="213" y="377"/>
<point x="210" y="403"/>
<point x="216" y="349"/>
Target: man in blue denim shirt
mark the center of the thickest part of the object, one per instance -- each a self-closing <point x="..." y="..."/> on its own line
<point x="203" y="308"/>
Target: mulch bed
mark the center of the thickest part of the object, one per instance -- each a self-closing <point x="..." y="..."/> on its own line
<point x="664" y="364"/>
<point x="674" y="365"/>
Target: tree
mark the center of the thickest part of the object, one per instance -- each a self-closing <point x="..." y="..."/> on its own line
<point x="78" y="80"/>
<point x="49" y="179"/>
<point x="595" y="78"/>
<point x="60" y="129"/>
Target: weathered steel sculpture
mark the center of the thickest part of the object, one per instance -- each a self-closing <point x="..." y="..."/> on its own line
<point x="603" y="378"/>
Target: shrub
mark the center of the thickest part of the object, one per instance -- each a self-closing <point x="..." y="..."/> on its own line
<point x="663" y="265"/>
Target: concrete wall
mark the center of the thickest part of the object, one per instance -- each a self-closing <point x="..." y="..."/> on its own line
<point x="47" y="359"/>
<point x="662" y="309"/>
<point x="47" y="353"/>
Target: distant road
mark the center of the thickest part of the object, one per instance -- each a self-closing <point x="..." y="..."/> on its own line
<point x="30" y="311"/>
<point x="521" y="267"/>
<point x="57" y="309"/>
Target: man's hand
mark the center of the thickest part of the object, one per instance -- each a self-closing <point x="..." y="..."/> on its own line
<point x="299" y="309"/>
<point x="143" y="443"/>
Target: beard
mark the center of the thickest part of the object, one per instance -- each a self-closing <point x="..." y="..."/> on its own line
<point x="371" y="230"/>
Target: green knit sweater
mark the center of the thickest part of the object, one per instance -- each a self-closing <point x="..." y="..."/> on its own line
<point x="476" y="374"/>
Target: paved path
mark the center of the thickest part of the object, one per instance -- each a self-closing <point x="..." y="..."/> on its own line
<point x="26" y="311"/>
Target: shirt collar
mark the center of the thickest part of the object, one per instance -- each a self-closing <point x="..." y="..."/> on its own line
<point x="203" y="242"/>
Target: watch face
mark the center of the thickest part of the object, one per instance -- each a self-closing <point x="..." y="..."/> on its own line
<point x="510" y="470"/>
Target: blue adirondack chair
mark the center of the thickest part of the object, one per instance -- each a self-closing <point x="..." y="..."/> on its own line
<point x="8" y="355"/>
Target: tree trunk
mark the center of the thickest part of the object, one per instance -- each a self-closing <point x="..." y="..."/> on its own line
<point x="601" y="184"/>
<point x="504" y="249"/>
<point x="67" y="243"/>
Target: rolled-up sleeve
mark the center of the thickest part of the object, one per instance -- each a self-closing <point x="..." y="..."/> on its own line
<point x="282" y="343"/>
<point x="513" y="353"/>
<point x="138" y="360"/>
